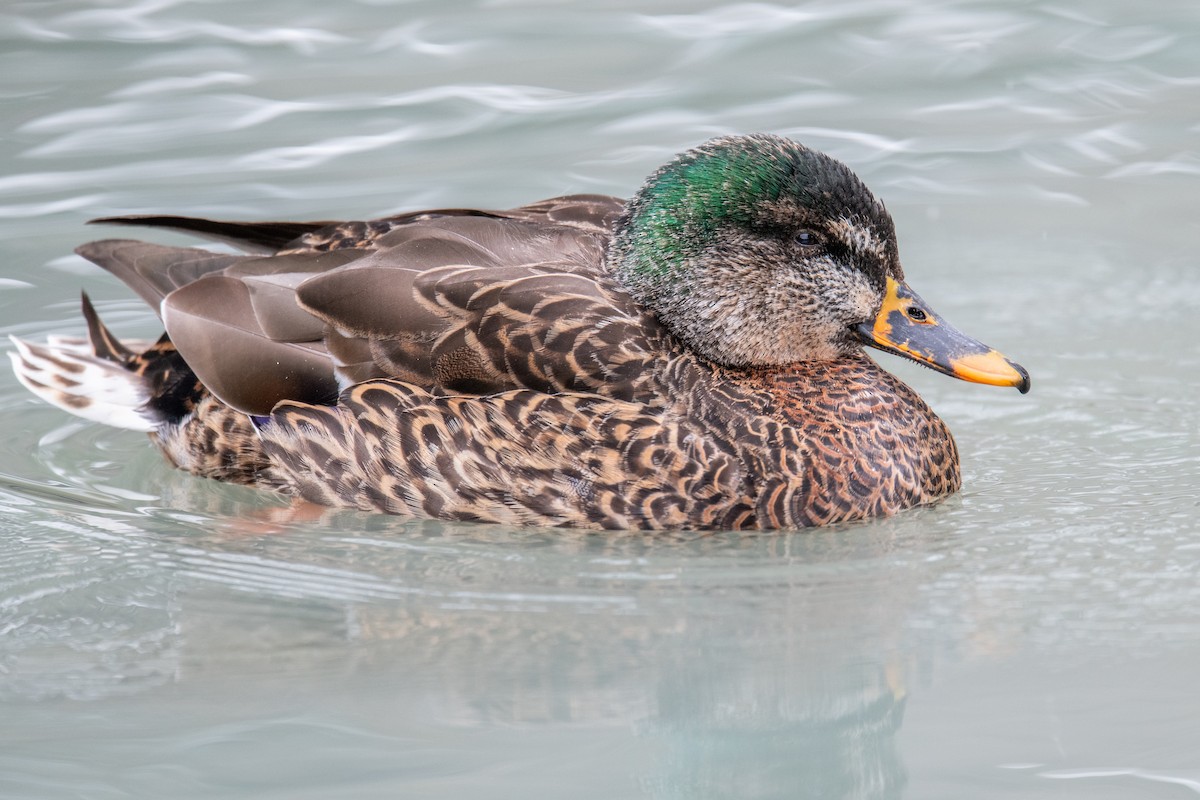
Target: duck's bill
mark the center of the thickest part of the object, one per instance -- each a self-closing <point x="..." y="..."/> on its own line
<point x="907" y="326"/>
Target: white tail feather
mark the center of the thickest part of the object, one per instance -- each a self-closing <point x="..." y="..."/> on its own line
<point x="65" y="372"/>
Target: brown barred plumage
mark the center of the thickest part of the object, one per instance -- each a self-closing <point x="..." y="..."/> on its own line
<point x="763" y="449"/>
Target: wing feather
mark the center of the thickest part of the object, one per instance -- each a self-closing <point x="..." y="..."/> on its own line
<point x="451" y="300"/>
<point x="213" y="324"/>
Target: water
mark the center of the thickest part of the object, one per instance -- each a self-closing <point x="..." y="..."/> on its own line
<point x="1035" y="636"/>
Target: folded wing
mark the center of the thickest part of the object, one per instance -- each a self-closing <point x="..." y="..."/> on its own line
<point x="455" y="301"/>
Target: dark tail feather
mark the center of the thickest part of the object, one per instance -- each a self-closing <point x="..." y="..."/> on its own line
<point x="104" y="344"/>
<point x="259" y="237"/>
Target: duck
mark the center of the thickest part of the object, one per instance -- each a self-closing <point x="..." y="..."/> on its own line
<point x="692" y="358"/>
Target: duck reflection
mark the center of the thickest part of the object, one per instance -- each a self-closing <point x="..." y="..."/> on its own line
<point x="829" y="733"/>
<point x="729" y="666"/>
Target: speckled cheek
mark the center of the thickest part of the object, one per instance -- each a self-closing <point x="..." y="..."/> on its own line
<point x="850" y="295"/>
<point x="866" y="302"/>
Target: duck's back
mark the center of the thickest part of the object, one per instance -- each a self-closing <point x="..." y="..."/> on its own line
<point x="452" y="300"/>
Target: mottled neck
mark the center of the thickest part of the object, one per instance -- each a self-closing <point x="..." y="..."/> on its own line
<point x="845" y="390"/>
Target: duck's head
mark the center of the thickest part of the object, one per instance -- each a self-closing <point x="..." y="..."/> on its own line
<point x="755" y="250"/>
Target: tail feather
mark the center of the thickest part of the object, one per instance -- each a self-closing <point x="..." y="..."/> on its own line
<point x="104" y="344"/>
<point x="97" y="378"/>
<point x="258" y="237"/>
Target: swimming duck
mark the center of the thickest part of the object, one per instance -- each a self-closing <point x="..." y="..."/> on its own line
<point x="690" y="358"/>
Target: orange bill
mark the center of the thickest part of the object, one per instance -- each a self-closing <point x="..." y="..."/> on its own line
<point x="907" y="326"/>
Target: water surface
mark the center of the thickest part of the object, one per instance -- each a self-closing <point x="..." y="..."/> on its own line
<point x="1034" y="636"/>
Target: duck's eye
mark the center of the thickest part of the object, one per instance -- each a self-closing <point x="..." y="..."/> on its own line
<point x="916" y="314"/>
<point x="807" y="239"/>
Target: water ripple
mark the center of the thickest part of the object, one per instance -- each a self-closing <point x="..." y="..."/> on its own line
<point x="132" y="126"/>
<point x="519" y="99"/>
<point x="27" y="210"/>
<point x="1187" y="163"/>
<point x="1123" y="44"/>
<point x="133" y="24"/>
<point x="410" y="37"/>
<point x="738" y="19"/>
<point x="182" y="84"/>
<point x="874" y="146"/>
<point x="1150" y="776"/>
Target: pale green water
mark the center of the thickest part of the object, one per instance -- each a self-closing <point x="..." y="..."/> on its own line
<point x="1036" y="636"/>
